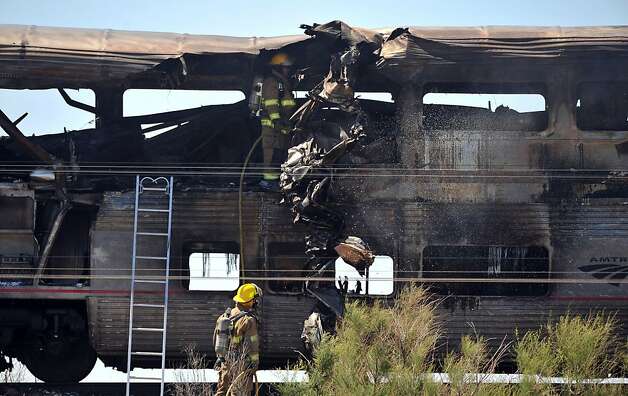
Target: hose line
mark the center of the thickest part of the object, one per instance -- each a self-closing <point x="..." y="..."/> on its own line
<point x="246" y="162"/>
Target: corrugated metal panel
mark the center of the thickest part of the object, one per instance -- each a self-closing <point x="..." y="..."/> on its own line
<point x="591" y="221"/>
<point x="497" y="318"/>
<point x="191" y="321"/>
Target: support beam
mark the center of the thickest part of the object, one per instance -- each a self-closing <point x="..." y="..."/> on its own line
<point x="75" y="103"/>
<point x="64" y="208"/>
<point x="108" y="106"/>
<point x="31" y="149"/>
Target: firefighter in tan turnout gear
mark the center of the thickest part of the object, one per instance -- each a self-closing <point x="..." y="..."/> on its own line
<point x="277" y="105"/>
<point x="236" y="342"/>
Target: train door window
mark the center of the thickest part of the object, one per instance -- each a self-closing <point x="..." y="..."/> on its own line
<point x="492" y="263"/>
<point x="377" y="281"/>
<point x="602" y="106"/>
<point x="214" y="271"/>
<point x="285" y="260"/>
<point x="490" y="107"/>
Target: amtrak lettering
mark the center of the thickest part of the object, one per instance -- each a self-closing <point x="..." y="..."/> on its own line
<point x="609" y="260"/>
<point x="605" y="267"/>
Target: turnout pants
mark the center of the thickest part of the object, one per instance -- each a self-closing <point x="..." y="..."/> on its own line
<point x="275" y="149"/>
<point x="234" y="383"/>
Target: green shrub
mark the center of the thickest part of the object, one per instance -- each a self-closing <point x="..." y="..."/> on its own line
<point x="390" y="350"/>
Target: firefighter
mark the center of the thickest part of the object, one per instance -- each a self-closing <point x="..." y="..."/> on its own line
<point x="238" y="348"/>
<point x="278" y="105"/>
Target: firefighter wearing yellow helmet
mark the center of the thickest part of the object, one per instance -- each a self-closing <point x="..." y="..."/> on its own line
<point x="278" y="105"/>
<point x="236" y="342"/>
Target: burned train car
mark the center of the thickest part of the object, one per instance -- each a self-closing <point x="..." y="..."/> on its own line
<point x="513" y="217"/>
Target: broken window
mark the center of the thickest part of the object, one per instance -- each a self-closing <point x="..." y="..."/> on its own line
<point x="214" y="271"/>
<point x="484" y="107"/>
<point x="602" y="106"/>
<point x="378" y="280"/>
<point x="138" y="102"/>
<point x="498" y="264"/>
<point x="47" y="110"/>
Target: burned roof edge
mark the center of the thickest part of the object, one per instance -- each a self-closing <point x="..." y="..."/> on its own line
<point x="45" y="57"/>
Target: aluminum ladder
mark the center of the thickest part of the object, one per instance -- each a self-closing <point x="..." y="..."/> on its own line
<point x="159" y="189"/>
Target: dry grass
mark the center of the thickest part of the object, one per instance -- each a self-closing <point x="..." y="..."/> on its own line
<point x="575" y="348"/>
<point x="193" y="381"/>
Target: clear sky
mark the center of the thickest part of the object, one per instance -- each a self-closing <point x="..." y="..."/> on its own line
<point x="48" y="112"/>
<point x="266" y="18"/>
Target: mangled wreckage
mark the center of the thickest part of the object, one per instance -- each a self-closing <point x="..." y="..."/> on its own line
<point x="513" y="215"/>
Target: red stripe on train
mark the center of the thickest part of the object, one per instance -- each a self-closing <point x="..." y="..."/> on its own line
<point x="171" y="292"/>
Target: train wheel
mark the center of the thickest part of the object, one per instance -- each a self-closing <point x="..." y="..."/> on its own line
<point x="61" y="360"/>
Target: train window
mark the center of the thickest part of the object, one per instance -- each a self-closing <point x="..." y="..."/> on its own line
<point x="378" y="280"/>
<point x="492" y="263"/>
<point x="489" y="107"/>
<point x="48" y="112"/>
<point x="149" y="101"/>
<point x="602" y="106"/>
<point x="214" y="271"/>
<point x="286" y="260"/>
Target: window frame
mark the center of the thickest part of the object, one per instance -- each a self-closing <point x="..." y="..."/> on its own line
<point x="489" y="87"/>
<point x="548" y="286"/>
<point x="366" y="280"/>
<point x="596" y="133"/>
<point x="207" y="247"/>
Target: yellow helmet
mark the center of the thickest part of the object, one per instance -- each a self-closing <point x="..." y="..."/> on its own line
<point x="281" y="59"/>
<point x="247" y="293"/>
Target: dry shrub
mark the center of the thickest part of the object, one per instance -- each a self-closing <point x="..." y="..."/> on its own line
<point x="193" y="381"/>
<point x="575" y="348"/>
<point x="381" y="350"/>
<point x="377" y="350"/>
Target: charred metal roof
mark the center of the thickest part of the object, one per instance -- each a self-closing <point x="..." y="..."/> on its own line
<point x="47" y="57"/>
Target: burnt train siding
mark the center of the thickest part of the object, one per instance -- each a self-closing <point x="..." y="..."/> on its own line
<point x="589" y="234"/>
<point x="499" y="318"/>
<point x="597" y="218"/>
<point x="197" y="217"/>
<point x="191" y="321"/>
<point x="477" y="224"/>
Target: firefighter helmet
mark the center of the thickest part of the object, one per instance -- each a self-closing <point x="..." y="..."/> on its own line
<point x="281" y="59"/>
<point x="247" y="293"/>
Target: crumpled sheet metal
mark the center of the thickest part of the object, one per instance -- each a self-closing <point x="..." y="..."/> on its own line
<point x="416" y="46"/>
<point x="305" y="185"/>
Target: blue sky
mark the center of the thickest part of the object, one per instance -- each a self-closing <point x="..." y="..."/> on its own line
<point x="48" y="112"/>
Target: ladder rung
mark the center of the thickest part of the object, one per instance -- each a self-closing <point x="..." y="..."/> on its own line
<point x="152" y="210"/>
<point x="144" y="378"/>
<point x="151" y="257"/>
<point x="146" y="353"/>
<point x="149" y="305"/>
<point x="153" y="233"/>
<point x="164" y="189"/>
<point x="149" y="281"/>
<point x="151" y="329"/>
